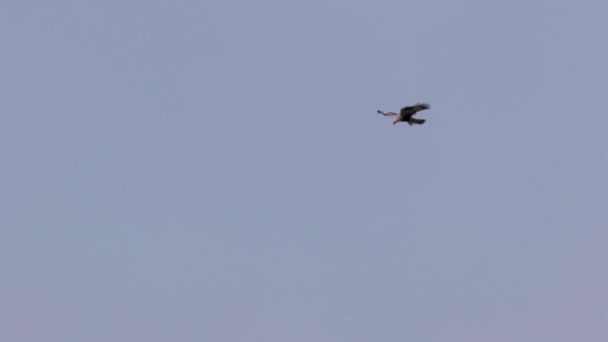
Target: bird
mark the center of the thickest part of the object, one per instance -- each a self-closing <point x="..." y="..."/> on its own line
<point x="406" y="114"/>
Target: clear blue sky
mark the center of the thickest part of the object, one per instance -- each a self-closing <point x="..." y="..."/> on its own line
<point x="216" y="171"/>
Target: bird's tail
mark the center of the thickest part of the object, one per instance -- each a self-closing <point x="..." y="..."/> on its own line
<point x="416" y="121"/>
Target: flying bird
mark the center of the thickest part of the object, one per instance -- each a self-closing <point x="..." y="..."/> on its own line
<point x="407" y="114"/>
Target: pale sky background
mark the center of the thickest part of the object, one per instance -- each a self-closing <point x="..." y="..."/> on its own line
<point x="216" y="171"/>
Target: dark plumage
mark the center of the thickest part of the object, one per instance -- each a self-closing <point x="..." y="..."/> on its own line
<point x="406" y="114"/>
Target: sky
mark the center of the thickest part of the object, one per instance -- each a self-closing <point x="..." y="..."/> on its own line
<point x="216" y="171"/>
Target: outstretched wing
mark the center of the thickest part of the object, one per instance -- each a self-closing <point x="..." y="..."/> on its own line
<point x="409" y="111"/>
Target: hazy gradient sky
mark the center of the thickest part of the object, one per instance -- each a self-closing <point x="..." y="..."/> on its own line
<point x="216" y="171"/>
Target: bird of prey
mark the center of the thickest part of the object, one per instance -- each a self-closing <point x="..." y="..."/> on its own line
<point x="406" y="114"/>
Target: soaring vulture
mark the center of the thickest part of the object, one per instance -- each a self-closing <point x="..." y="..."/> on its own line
<point x="406" y="114"/>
